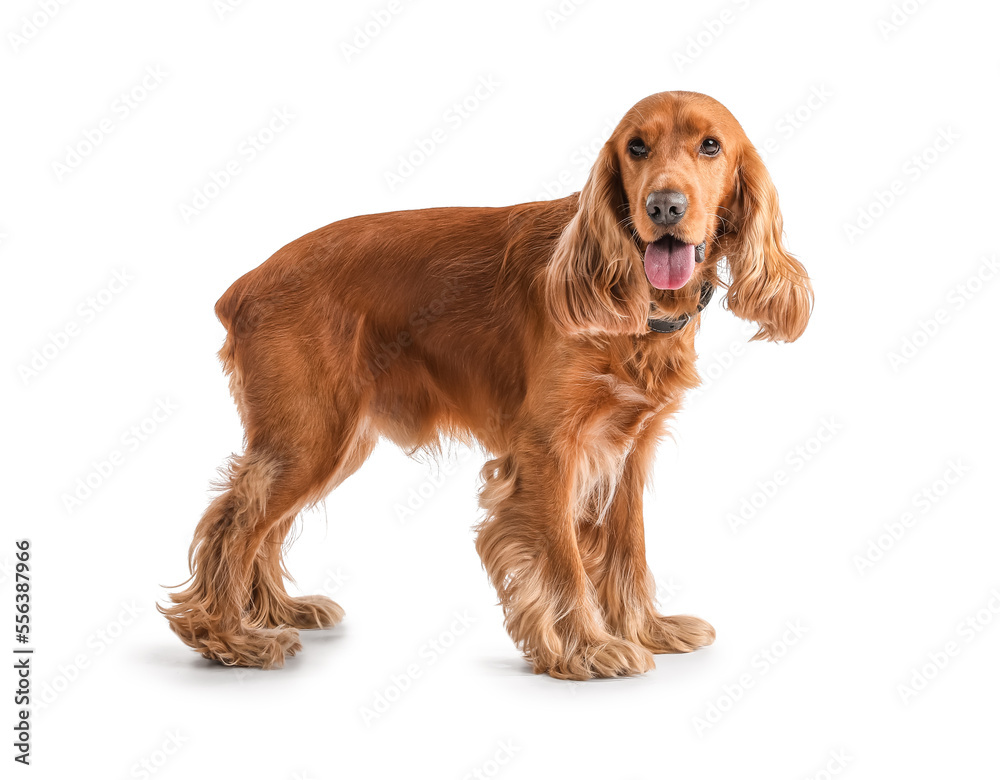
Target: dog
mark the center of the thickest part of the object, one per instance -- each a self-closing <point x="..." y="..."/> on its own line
<point x="559" y="335"/>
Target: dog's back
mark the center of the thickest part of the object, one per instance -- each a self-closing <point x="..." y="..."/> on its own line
<point x="413" y="307"/>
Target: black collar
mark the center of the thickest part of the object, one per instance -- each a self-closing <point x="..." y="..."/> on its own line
<point x="672" y="324"/>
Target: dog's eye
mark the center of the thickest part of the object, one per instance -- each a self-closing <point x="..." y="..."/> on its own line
<point x="710" y="147"/>
<point x="637" y="148"/>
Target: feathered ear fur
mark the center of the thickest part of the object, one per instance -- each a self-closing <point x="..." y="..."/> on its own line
<point x="769" y="286"/>
<point x="594" y="282"/>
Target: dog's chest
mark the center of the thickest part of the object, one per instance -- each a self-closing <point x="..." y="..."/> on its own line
<point x="661" y="366"/>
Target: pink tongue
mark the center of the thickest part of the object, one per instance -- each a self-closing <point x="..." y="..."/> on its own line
<point x="669" y="263"/>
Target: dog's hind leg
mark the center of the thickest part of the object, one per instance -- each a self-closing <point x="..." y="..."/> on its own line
<point x="209" y="614"/>
<point x="304" y="435"/>
<point x="235" y="608"/>
<point x="270" y="604"/>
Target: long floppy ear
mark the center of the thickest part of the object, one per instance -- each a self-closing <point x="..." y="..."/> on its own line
<point x="594" y="282"/>
<point x="769" y="286"/>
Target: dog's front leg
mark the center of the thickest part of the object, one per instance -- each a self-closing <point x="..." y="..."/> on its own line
<point x="529" y="548"/>
<point x="613" y="547"/>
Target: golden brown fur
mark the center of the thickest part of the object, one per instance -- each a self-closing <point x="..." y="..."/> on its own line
<point x="524" y="328"/>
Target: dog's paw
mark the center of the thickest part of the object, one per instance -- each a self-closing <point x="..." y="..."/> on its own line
<point x="676" y="634"/>
<point x="307" y="612"/>
<point x="263" y="648"/>
<point x="611" y="657"/>
<point x="260" y="648"/>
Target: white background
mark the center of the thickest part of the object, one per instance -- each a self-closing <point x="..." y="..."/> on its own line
<point x="115" y="689"/>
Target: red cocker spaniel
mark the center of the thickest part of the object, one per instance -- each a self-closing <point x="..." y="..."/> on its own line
<point x="559" y="335"/>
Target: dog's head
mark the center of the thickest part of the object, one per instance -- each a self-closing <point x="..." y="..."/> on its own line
<point x="676" y="188"/>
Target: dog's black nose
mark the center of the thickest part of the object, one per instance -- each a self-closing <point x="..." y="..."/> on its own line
<point x="666" y="207"/>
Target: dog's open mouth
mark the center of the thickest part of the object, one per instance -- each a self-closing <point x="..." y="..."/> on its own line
<point x="669" y="262"/>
